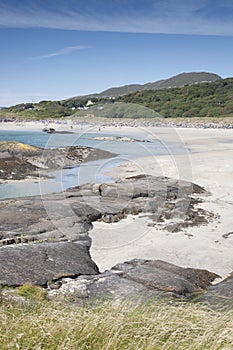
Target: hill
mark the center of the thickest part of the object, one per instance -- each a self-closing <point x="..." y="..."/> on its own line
<point x="175" y="81"/>
<point x="199" y="100"/>
<point x="212" y="100"/>
<point x="205" y="99"/>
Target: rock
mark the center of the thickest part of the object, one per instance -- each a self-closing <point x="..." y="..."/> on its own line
<point x="16" y="169"/>
<point x="137" y="280"/>
<point x="219" y="295"/>
<point x="32" y="225"/>
<point x="53" y="131"/>
<point x="15" y="149"/>
<point x="19" y="161"/>
<point x="49" y="130"/>
<point x="227" y="235"/>
<point x="118" y="139"/>
<point x="43" y="262"/>
<point x="165" y="276"/>
<point x="102" y="288"/>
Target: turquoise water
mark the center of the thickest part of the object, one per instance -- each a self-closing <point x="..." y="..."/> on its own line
<point x="93" y="172"/>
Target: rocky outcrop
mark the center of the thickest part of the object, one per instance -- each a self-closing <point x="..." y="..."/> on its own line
<point x="136" y="280"/>
<point x="19" y="161"/>
<point x="44" y="241"/>
<point x="118" y="139"/>
<point x="32" y="226"/>
<point x="16" y="169"/>
<point x="42" y="263"/>
<point x="219" y="295"/>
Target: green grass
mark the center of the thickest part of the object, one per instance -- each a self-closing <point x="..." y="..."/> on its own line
<point x="158" y="325"/>
<point x="32" y="292"/>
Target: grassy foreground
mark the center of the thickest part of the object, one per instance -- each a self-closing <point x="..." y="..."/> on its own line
<point x="158" y="325"/>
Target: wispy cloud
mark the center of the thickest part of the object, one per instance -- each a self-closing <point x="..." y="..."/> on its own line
<point x="64" y="51"/>
<point x="212" y="17"/>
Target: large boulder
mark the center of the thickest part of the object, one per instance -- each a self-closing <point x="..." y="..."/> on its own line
<point x="42" y="263"/>
<point x="137" y="280"/>
<point x="219" y="295"/>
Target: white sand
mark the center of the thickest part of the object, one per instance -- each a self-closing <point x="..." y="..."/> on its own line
<point x="39" y="126"/>
<point x="209" y="163"/>
<point x="89" y="126"/>
<point x="206" y="159"/>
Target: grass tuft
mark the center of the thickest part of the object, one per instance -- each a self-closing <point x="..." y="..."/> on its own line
<point x="32" y="292"/>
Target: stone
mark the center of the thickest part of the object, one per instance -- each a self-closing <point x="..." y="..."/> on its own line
<point x="136" y="281"/>
<point x="41" y="263"/>
<point x="219" y="295"/>
<point x="20" y="161"/>
<point x="31" y="227"/>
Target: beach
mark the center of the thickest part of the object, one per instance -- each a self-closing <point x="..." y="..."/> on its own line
<point x="209" y="163"/>
<point x="205" y="158"/>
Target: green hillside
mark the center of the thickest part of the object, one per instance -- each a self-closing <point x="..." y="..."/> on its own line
<point x="200" y="100"/>
<point x="211" y="100"/>
<point x="118" y="110"/>
<point x="204" y="100"/>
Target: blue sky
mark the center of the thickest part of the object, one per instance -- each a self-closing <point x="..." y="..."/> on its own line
<point x="56" y="49"/>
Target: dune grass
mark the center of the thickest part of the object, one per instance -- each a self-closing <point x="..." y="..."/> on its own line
<point x="156" y="325"/>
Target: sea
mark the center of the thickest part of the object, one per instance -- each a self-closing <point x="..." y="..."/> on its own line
<point x="96" y="171"/>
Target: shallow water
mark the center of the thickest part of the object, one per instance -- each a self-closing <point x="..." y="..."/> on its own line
<point x="93" y="172"/>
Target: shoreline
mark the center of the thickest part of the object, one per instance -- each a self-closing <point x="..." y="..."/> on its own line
<point x="73" y="126"/>
<point x="208" y="162"/>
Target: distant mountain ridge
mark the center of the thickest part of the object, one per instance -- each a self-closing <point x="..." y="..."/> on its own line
<point x="179" y="80"/>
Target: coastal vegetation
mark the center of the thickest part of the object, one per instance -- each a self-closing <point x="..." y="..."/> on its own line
<point x="37" y="323"/>
<point x="200" y="100"/>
